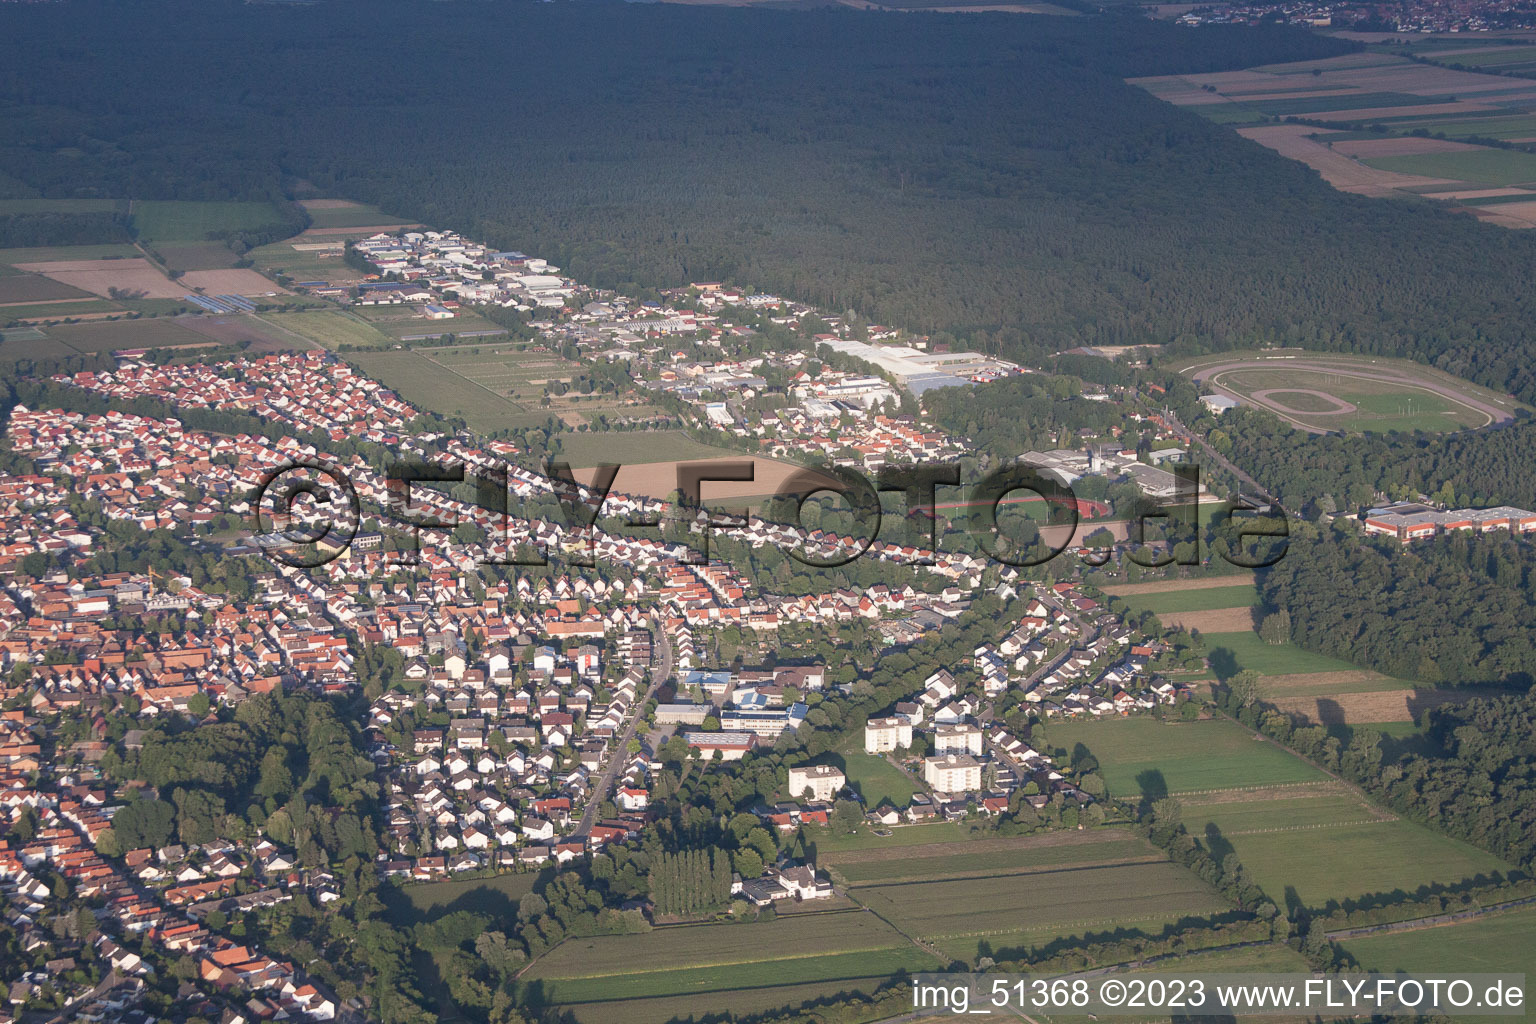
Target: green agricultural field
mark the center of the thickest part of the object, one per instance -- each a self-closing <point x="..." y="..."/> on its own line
<point x="418" y="326"/>
<point x="1345" y="861"/>
<point x="743" y="1001"/>
<point x="1307" y="806"/>
<point x="635" y="447"/>
<point x="1492" y="57"/>
<point x="37" y="288"/>
<point x="1141" y="755"/>
<point x="1353" y="101"/>
<point x="330" y="328"/>
<point x="998" y="856"/>
<point x="178" y="220"/>
<point x="1244" y="595"/>
<point x="1484" y="166"/>
<point x="60" y="253"/>
<point x="962" y="916"/>
<point x="1228" y="113"/>
<point x="16" y="345"/>
<point x="836" y="846"/>
<point x="1493" y="943"/>
<point x="352" y="215"/>
<point x="196" y="255"/>
<point x="115" y="334"/>
<point x="1515" y="126"/>
<point x="45" y="310"/>
<point x="684" y="959"/>
<point x="435" y="388"/>
<point x="304" y="265"/>
<point x="823" y="967"/>
<point x="1231" y="651"/>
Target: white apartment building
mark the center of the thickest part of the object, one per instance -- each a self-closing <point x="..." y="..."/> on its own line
<point x="822" y="781"/>
<point x="952" y="773"/>
<point x="882" y="735"/>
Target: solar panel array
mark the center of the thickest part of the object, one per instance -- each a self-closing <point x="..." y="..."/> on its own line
<point x="222" y="303"/>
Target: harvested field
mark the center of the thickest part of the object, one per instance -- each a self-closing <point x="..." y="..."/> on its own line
<point x="1509" y="215"/>
<point x="229" y="282"/>
<point x="1480" y="193"/>
<point x="1172" y="586"/>
<point x="1374" y="706"/>
<point x="98" y="276"/>
<point x="1354" y="681"/>
<point x="659" y="479"/>
<point x="1340" y="171"/>
<point x="1219" y="620"/>
<point x="1398" y="147"/>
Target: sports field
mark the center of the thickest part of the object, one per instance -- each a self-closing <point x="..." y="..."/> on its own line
<point x="1320" y="394"/>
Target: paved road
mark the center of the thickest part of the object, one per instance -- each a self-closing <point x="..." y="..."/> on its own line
<point x="1220" y="459"/>
<point x="661" y="670"/>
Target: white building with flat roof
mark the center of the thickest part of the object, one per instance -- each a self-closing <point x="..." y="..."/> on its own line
<point x="952" y="773"/>
<point x="883" y="735"/>
<point x="821" y="781"/>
